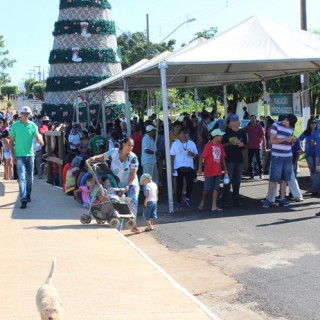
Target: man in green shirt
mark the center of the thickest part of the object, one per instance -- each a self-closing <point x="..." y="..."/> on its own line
<point x="22" y="133"/>
<point x="94" y="144"/>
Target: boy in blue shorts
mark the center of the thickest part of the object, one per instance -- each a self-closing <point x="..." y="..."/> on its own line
<point x="150" y="201"/>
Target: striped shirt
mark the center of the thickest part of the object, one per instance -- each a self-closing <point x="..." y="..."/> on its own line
<point x="282" y="149"/>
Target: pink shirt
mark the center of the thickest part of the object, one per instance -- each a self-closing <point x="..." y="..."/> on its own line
<point x="85" y="193"/>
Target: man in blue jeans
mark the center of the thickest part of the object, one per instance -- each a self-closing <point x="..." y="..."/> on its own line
<point x="22" y="133"/>
<point x="281" y="139"/>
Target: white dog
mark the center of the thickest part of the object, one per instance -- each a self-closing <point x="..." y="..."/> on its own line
<point x="47" y="299"/>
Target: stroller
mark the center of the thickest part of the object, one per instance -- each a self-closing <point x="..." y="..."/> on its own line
<point x="108" y="204"/>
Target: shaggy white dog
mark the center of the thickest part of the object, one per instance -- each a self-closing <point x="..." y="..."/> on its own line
<point x="47" y="299"/>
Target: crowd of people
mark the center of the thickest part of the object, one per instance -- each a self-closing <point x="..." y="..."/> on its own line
<point x="199" y="145"/>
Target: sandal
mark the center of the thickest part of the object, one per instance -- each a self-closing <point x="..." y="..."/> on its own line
<point x="148" y="229"/>
<point x="200" y="207"/>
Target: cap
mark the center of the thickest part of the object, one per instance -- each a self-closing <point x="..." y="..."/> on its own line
<point x="150" y="127"/>
<point x="292" y="119"/>
<point x="145" y="176"/>
<point x="45" y="118"/>
<point x="234" y="117"/>
<point x="25" y="109"/>
<point x="76" y="162"/>
<point x="217" y="132"/>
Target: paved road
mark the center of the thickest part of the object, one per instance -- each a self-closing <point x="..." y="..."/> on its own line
<point x="267" y="260"/>
<point x="28" y="102"/>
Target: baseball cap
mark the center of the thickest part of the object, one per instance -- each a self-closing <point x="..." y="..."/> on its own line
<point x="234" y="117"/>
<point x="145" y="176"/>
<point x="150" y="127"/>
<point x="217" y="132"/>
<point x="25" y="109"/>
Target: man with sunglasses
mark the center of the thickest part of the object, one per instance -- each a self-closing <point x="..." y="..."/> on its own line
<point x="22" y="133"/>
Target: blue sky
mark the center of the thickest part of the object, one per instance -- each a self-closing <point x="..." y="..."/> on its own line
<point x="27" y="30"/>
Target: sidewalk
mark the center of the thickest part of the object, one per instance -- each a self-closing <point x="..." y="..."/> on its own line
<point x="100" y="274"/>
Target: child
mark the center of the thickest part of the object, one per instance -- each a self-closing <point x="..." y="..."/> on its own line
<point x="150" y="201"/>
<point x="8" y="165"/>
<point x="214" y="159"/>
<point x="82" y="194"/>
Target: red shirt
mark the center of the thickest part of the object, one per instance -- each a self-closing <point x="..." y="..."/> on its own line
<point x="213" y="154"/>
<point x="255" y="135"/>
<point x="137" y="138"/>
<point x="43" y="128"/>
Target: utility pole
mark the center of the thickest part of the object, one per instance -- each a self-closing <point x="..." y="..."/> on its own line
<point x="39" y="72"/>
<point x="34" y="73"/>
<point x="305" y="76"/>
<point x="148" y="38"/>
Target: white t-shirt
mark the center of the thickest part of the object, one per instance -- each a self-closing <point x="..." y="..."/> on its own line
<point x="179" y="150"/>
<point x="75" y="139"/>
<point x="152" y="188"/>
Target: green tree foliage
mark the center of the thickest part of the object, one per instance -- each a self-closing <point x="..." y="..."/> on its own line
<point x="39" y="88"/>
<point x="9" y="90"/>
<point x="206" y="33"/>
<point x="134" y="47"/>
<point x="5" y="63"/>
<point x="28" y="85"/>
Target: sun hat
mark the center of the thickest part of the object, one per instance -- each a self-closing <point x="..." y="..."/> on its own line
<point x="45" y="118"/>
<point x="25" y="109"/>
<point x="145" y="176"/>
<point x="150" y="127"/>
<point x="217" y="132"/>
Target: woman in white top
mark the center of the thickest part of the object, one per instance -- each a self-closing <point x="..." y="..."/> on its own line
<point x="124" y="165"/>
<point x="182" y="153"/>
<point x="74" y="138"/>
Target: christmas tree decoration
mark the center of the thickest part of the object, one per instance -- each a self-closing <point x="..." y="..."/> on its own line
<point x="84" y="52"/>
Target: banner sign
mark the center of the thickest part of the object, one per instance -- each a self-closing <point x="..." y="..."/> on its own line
<point x="284" y="103"/>
<point x="297" y="108"/>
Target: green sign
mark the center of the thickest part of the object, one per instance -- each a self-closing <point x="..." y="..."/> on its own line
<point x="281" y="104"/>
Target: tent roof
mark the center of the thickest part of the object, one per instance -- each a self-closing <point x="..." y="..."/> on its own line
<point x="142" y="64"/>
<point x="145" y="63"/>
<point x="254" y="50"/>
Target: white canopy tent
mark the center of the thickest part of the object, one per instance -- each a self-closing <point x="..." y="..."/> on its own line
<point x="254" y="50"/>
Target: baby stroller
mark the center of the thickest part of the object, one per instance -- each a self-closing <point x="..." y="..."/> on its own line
<point x="108" y="204"/>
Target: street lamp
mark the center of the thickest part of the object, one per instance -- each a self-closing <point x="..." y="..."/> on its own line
<point x="187" y="21"/>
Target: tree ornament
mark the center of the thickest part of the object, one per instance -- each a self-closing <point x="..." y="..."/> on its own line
<point x="84" y="29"/>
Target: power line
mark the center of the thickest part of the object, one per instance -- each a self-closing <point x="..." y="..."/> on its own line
<point x="209" y="9"/>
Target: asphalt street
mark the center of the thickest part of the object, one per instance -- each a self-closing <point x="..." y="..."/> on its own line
<point x="273" y="254"/>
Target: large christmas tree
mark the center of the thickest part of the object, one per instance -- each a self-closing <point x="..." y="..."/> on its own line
<point x="84" y="52"/>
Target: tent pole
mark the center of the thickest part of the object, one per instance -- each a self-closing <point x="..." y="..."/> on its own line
<point x="264" y="86"/>
<point x="128" y="115"/>
<point x="162" y="66"/>
<point x="225" y="104"/>
<point x="88" y="108"/>
<point x="77" y="109"/>
<point x="196" y="101"/>
<point x="103" y="110"/>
